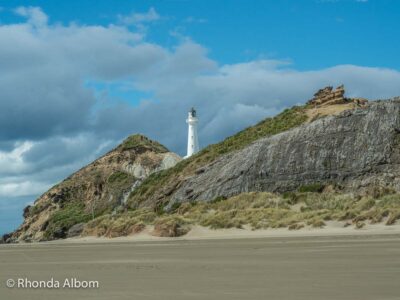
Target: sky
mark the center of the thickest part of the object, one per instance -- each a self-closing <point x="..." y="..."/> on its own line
<point x="77" y="77"/>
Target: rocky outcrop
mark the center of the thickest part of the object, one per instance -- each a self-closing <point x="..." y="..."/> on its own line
<point x="330" y="96"/>
<point x="6" y="238"/>
<point x="100" y="187"/>
<point x="75" y="230"/>
<point x="354" y="150"/>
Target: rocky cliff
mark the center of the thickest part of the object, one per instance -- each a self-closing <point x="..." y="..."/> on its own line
<point x="101" y="187"/>
<point x="354" y="150"/>
<point x="357" y="149"/>
<point x="350" y="145"/>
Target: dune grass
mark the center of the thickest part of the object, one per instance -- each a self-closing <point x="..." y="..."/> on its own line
<point x="113" y="225"/>
<point x="257" y="210"/>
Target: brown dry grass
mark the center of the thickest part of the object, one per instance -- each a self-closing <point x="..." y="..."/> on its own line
<point x="259" y="210"/>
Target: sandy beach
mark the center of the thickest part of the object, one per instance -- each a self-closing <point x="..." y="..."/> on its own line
<point x="331" y="263"/>
<point x="332" y="228"/>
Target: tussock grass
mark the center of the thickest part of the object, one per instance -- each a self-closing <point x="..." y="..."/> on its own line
<point x="258" y="210"/>
<point x="171" y="226"/>
<point x="123" y="224"/>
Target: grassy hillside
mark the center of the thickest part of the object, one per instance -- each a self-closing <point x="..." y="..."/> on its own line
<point x="141" y="142"/>
<point x="98" y="188"/>
<point x="157" y="187"/>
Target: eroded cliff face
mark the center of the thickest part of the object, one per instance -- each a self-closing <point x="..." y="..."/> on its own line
<point x="355" y="149"/>
<point x="352" y="145"/>
<point x="102" y="186"/>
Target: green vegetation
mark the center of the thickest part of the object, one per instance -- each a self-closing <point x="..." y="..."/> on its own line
<point x="118" y="177"/>
<point x="60" y="221"/>
<point x="117" y="184"/>
<point x="37" y="208"/>
<point x="158" y="182"/>
<point x="286" y="120"/>
<point x="313" y="188"/>
<point x="120" y="181"/>
<point x="138" y="141"/>
<point x="257" y="210"/>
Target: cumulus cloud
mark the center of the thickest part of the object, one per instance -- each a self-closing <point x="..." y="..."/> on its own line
<point x="42" y="69"/>
<point x="53" y="122"/>
<point x="11" y="161"/>
<point x="34" y="15"/>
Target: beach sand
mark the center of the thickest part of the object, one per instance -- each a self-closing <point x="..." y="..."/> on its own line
<point x="332" y="228"/>
<point x="330" y="263"/>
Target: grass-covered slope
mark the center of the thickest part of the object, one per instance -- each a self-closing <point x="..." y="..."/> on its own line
<point x="154" y="191"/>
<point x="139" y="143"/>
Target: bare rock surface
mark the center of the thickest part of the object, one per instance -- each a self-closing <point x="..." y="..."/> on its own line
<point x="355" y="149"/>
<point x="330" y="96"/>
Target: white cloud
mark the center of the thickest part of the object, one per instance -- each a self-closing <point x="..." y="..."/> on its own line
<point x="18" y="189"/>
<point x="52" y="123"/>
<point x="34" y="14"/>
<point x="11" y="162"/>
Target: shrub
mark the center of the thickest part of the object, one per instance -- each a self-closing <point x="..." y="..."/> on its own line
<point x="380" y="191"/>
<point x="117" y="177"/>
<point x="311" y="188"/>
<point x="37" y="208"/>
<point x="393" y="217"/>
<point x="171" y="226"/>
<point x="359" y="224"/>
<point x="218" y="199"/>
<point x="61" y="220"/>
<point x="316" y="223"/>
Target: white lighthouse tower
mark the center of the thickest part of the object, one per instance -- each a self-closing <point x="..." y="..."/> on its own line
<point x="193" y="140"/>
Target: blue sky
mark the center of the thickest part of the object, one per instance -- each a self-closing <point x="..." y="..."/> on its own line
<point x="310" y="33"/>
<point x="76" y="77"/>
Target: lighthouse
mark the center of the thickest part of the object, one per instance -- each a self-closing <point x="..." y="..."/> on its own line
<point x="193" y="140"/>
